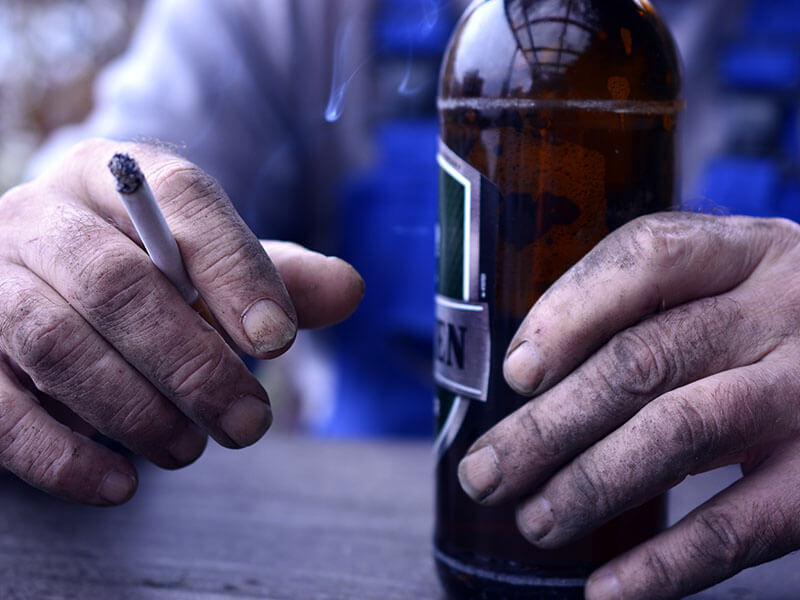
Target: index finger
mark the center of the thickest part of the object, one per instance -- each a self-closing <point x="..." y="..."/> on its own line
<point x="653" y="263"/>
<point x="223" y="258"/>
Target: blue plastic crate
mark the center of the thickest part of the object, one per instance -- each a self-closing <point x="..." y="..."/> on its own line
<point x="740" y="185"/>
<point x="764" y="67"/>
<point x="384" y="351"/>
<point x="770" y="18"/>
<point x="789" y="202"/>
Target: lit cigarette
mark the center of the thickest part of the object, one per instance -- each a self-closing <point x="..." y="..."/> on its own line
<point x="152" y="228"/>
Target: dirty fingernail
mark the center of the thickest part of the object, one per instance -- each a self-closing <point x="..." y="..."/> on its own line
<point x="479" y="473"/>
<point x="246" y="420"/>
<point x="535" y="519"/>
<point x="603" y="586"/>
<point x="522" y="369"/>
<point x="189" y="445"/>
<point x="267" y="326"/>
<point x="117" y="487"/>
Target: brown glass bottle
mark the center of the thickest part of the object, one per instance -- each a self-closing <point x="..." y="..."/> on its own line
<point x="557" y="126"/>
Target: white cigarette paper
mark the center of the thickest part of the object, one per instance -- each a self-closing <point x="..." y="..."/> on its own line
<point x="150" y="224"/>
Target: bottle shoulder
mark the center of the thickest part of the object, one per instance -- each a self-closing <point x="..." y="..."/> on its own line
<point x="581" y="50"/>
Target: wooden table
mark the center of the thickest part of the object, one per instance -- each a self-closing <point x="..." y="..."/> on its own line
<point x="288" y="519"/>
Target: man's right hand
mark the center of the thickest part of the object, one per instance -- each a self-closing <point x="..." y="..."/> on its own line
<point x="88" y="323"/>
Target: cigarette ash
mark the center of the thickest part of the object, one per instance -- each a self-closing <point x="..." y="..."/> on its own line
<point x="127" y="173"/>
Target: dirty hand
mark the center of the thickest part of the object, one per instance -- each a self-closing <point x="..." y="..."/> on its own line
<point x="670" y="349"/>
<point x="89" y="325"/>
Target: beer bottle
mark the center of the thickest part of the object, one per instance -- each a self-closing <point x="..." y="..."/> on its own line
<point x="557" y="126"/>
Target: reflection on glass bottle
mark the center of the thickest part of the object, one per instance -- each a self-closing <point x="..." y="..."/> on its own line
<point x="552" y="35"/>
<point x="557" y="126"/>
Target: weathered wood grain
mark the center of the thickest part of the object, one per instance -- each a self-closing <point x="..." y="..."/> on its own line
<point x="289" y="519"/>
<point x="286" y="519"/>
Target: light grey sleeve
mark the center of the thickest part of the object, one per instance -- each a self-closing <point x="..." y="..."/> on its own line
<point x="240" y="87"/>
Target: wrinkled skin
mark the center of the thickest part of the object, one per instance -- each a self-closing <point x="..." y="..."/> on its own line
<point x="92" y="333"/>
<point x="670" y="349"/>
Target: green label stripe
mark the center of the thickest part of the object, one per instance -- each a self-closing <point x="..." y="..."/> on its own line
<point x="455" y="195"/>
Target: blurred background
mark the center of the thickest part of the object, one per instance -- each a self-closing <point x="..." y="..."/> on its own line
<point x="741" y="135"/>
<point x="740" y="155"/>
<point x="50" y="53"/>
<point x="742" y="60"/>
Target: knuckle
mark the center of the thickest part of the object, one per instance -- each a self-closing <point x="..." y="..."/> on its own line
<point x="673" y="347"/>
<point x="105" y="271"/>
<point x="662" y="240"/>
<point x="50" y="465"/>
<point x="29" y="452"/>
<point x="142" y="422"/>
<point x="199" y="374"/>
<point x="658" y="570"/>
<point x="12" y="418"/>
<point x="540" y="439"/>
<point x="200" y="200"/>
<point x="640" y="366"/>
<point x="706" y="328"/>
<point x="111" y="280"/>
<point x="14" y="300"/>
<point x="587" y="484"/>
<point x="132" y="419"/>
<point x="186" y="188"/>
<point x="220" y="257"/>
<point x="743" y="409"/>
<point x="691" y="435"/>
<point x="714" y="539"/>
<point x="46" y="340"/>
<point x="714" y="319"/>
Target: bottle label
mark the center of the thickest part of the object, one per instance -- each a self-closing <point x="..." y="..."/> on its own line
<point x="462" y="338"/>
<point x="462" y="342"/>
<point x="462" y="349"/>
